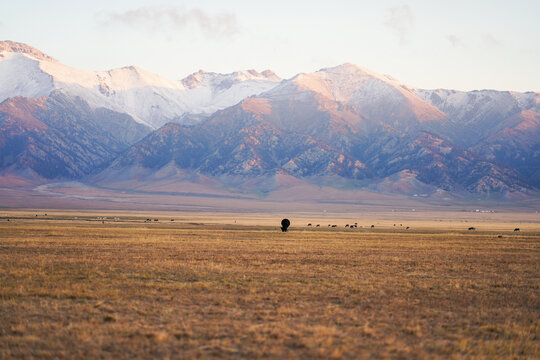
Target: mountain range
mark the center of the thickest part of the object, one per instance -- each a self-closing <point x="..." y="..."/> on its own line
<point x="345" y="127"/>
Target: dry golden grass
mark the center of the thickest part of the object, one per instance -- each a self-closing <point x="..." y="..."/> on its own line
<point x="79" y="289"/>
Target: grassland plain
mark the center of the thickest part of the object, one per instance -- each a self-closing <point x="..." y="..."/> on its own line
<point x="130" y="289"/>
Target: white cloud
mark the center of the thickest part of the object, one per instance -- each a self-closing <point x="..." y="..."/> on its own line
<point x="490" y="40"/>
<point x="455" y="41"/>
<point x="400" y="20"/>
<point x="161" y="18"/>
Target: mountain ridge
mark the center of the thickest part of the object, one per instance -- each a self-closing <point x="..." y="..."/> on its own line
<point x="149" y="98"/>
<point x="342" y="125"/>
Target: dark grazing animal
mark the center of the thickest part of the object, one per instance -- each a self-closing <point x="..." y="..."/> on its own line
<point x="285" y="223"/>
<point x="516" y="229"/>
<point x="472" y="228"/>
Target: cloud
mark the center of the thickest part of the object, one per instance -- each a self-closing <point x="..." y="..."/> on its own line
<point x="159" y="18"/>
<point x="455" y="41"/>
<point x="400" y="20"/>
<point x="490" y="40"/>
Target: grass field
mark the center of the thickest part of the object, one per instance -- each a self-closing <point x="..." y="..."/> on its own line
<point x="130" y="289"/>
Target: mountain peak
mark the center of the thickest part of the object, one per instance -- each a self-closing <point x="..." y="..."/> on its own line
<point x="21" y="48"/>
<point x="269" y="74"/>
<point x="357" y="70"/>
<point x="349" y="68"/>
<point x="339" y="82"/>
<point x="226" y="80"/>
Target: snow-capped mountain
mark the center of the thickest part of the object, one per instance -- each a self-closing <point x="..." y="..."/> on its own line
<point x="343" y="122"/>
<point x="474" y="116"/>
<point x="367" y="91"/>
<point x="147" y="97"/>
<point x="343" y="125"/>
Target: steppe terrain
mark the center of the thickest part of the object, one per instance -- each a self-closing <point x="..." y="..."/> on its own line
<point x="75" y="284"/>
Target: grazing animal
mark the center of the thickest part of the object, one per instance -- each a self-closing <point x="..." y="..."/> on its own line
<point x="472" y="228"/>
<point x="334" y="226"/>
<point x="372" y="226"/>
<point x="308" y="224"/>
<point x="318" y="225"/>
<point x="347" y="225"/>
<point x="172" y="219"/>
<point x="516" y="229"/>
<point x="407" y="228"/>
<point x="499" y="236"/>
<point x="156" y="219"/>
<point x="285" y="223"/>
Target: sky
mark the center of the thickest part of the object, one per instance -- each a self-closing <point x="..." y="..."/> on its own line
<point x="460" y="44"/>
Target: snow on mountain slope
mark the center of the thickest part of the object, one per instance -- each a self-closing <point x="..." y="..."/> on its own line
<point x="474" y="106"/>
<point x="21" y="76"/>
<point x="147" y="97"/>
<point x="465" y="106"/>
<point x="15" y="47"/>
<point x="352" y="84"/>
<point x="210" y="91"/>
<point x="379" y="98"/>
<point x="476" y="115"/>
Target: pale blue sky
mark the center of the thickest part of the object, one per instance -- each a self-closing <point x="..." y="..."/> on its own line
<point x="456" y="44"/>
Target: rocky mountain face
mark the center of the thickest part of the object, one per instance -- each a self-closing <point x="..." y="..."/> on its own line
<point x="61" y="137"/>
<point x="312" y="126"/>
<point x="344" y="125"/>
<point x="253" y="148"/>
<point x="499" y="126"/>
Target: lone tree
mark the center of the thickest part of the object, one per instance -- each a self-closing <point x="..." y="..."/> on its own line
<point x="285" y="224"/>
